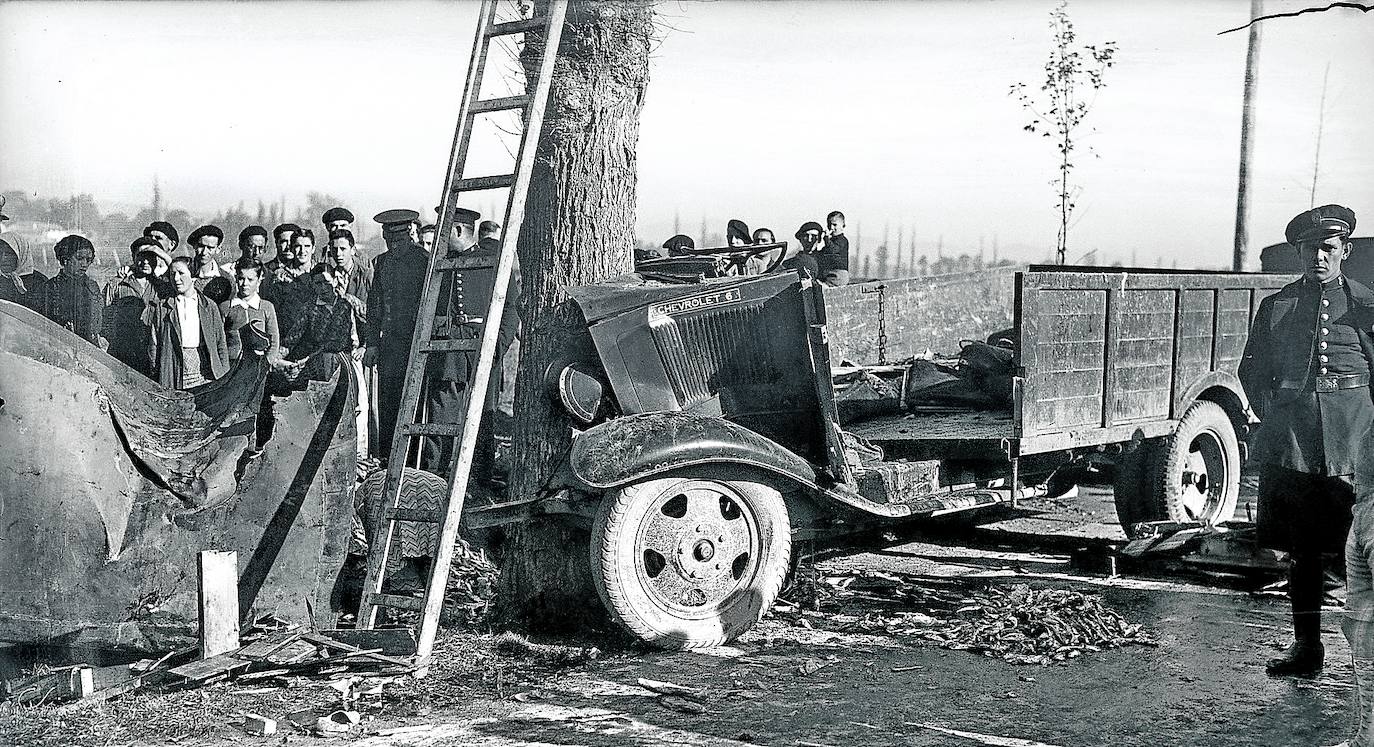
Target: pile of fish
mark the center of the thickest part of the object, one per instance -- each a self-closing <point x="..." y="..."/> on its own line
<point x="1022" y="625"/>
<point x="1016" y="623"/>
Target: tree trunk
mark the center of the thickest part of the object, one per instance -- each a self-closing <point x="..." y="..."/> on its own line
<point x="579" y="228"/>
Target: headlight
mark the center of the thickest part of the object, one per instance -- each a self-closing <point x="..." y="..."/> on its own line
<point x="581" y="393"/>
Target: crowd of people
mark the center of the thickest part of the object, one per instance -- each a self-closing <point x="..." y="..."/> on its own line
<point x="183" y="315"/>
<point x="822" y="253"/>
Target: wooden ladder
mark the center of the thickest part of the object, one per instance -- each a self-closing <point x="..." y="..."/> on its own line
<point x="425" y="341"/>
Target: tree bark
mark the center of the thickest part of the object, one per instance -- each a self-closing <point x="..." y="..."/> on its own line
<point x="579" y="228"/>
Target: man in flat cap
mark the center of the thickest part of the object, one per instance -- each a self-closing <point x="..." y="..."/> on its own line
<point x="165" y="234"/>
<point x="1306" y="371"/>
<point x="337" y="218"/>
<point x="392" y="305"/>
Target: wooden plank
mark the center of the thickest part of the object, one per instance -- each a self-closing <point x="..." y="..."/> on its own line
<point x="267" y="646"/>
<point x="219" y="602"/>
<point x="336" y="645"/>
<point x="391" y="641"/>
<point x="205" y="669"/>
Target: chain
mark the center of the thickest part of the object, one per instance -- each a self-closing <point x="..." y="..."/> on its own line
<point x="882" y="321"/>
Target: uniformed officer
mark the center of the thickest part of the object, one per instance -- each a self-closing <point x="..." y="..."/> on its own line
<point x="1306" y="373"/>
<point x="397" y="281"/>
<point x="465" y="298"/>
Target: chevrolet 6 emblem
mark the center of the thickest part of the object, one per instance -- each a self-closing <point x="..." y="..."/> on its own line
<point x="694" y="303"/>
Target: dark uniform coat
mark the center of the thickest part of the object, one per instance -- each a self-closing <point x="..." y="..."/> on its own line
<point x="393" y="302"/>
<point x="1311" y="433"/>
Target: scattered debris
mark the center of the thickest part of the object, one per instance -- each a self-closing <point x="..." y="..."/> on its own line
<point x="668" y="688"/>
<point x="259" y="725"/>
<point x="337" y="722"/>
<point x="811" y="666"/>
<point x="681" y="704"/>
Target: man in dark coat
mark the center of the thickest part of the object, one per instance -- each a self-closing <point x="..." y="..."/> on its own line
<point x="465" y="299"/>
<point x="126" y="319"/>
<point x="392" y="305"/>
<point x="1306" y="371"/>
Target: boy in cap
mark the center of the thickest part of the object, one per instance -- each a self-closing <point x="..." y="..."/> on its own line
<point x="1305" y="372"/>
<point x="126" y="323"/>
<point x="70" y="298"/>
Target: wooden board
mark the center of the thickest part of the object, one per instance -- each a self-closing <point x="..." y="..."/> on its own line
<point x="219" y="602"/>
<point x="947" y="425"/>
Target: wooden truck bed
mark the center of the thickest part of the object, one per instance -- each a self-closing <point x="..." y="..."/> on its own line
<point x="1103" y="357"/>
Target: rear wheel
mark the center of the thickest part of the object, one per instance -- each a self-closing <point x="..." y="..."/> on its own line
<point x="685" y="562"/>
<point x="1196" y="471"/>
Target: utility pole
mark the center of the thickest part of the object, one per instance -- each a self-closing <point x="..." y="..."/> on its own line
<point x="1247" y="145"/>
<point x="1317" y="155"/>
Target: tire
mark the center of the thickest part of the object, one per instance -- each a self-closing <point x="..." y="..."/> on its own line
<point x="685" y="562"/>
<point x="1131" y="489"/>
<point x="1195" y="473"/>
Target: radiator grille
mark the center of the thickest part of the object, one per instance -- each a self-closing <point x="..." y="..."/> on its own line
<point x="714" y="350"/>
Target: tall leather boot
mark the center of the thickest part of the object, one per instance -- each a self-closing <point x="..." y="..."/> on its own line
<point x="1305" y="657"/>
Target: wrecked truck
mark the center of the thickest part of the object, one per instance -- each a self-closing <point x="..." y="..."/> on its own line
<point x="710" y="438"/>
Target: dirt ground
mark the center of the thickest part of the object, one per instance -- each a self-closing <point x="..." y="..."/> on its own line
<point x="834" y="676"/>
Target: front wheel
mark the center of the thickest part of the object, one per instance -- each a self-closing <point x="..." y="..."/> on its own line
<point x="685" y="562"/>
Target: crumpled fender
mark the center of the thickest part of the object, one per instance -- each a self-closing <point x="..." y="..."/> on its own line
<point x="633" y="447"/>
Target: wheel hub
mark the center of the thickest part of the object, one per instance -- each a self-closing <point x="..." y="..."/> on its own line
<point x="697" y="546"/>
<point x="703" y="552"/>
<point x="1201" y="495"/>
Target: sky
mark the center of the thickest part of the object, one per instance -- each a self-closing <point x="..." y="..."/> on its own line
<point x="774" y="112"/>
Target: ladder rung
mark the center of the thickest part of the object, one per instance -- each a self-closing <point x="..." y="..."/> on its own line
<point x="452" y="346"/>
<point x="432" y="429"/>
<point x="483" y="182"/>
<point x="396" y="601"/>
<point x="422" y="515"/>
<point x="505" y="103"/>
<point x="464" y="262"/>
<point x="517" y="27"/>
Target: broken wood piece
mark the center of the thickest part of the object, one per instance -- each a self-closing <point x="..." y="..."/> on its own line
<point x="330" y="643"/>
<point x="394" y="730"/>
<point x="390" y="641"/>
<point x="219" y="602"/>
<point x="682" y="704"/>
<point x="207" y="670"/>
<point x="259" y="725"/>
<point x="263" y="675"/>
<point x="267" y="646"/>
<point x="669" y="688"/>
